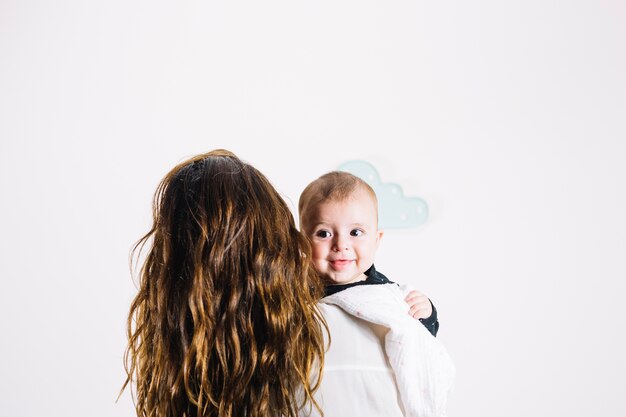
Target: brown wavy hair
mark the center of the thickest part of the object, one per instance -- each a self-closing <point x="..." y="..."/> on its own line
<point x="224" y="323"/>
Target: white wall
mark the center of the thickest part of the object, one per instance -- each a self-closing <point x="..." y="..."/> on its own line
<point x="507" y="116"/>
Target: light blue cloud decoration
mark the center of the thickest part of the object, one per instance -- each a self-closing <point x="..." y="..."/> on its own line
<point x="395" y="211"/>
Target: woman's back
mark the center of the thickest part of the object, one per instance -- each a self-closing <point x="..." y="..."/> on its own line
<point x="225" y="322"/>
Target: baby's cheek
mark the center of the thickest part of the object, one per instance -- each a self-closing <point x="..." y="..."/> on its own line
<point x="317" y="251"/>
<point x="318" y="264"/>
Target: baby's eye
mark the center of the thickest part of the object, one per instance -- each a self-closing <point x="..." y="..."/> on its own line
<point x="322" y="233"/>
<point x="356" y="232"/>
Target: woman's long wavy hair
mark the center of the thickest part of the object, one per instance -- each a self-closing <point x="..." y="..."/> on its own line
<point x="224" y="323"/>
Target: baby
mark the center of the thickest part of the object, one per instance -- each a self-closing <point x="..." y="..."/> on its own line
<point x="339" y="215"/>
<point x="380" y="361"/>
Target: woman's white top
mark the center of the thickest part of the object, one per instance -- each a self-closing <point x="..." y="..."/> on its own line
<point x="381" y="361"/>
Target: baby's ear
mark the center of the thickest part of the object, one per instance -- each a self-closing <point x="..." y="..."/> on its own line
<point x="379" y="235"/>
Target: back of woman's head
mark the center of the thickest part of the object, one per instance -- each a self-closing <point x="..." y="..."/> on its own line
<point x="225" y="322"/>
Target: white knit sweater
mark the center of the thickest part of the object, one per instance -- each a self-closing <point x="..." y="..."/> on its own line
<point x="380" y="347"/>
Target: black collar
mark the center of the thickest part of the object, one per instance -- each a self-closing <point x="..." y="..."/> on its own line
<point x="373" y="278"/>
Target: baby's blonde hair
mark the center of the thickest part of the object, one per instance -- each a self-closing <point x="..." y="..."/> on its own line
<point x="332" y="186"/>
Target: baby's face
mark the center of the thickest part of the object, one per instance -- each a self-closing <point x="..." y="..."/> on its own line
<point x="344" y="237"/>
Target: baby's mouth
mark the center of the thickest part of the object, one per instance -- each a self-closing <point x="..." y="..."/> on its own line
<point x="340" y="264"/>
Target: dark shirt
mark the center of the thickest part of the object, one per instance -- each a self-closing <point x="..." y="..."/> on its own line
<point x="375" y="278"/>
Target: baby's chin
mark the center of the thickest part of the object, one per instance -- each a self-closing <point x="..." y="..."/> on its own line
<point x="329" y="281"/>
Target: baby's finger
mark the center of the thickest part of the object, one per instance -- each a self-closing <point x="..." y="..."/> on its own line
<point x="421" y="310"/>
<point x="413" y="294"/>
<point x="419" y="313"/>
<point x="419" y="301"/>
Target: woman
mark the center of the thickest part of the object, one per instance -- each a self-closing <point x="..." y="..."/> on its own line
<point x="225" y="322"/>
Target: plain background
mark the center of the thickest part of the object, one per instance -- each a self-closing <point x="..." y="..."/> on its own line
<point x="508" y="117"/>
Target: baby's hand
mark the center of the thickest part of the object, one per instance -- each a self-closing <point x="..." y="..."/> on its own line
<point x="419" y="305"/>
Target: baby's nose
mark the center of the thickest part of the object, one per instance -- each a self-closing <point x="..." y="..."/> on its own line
<point x="340" y="244"/>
